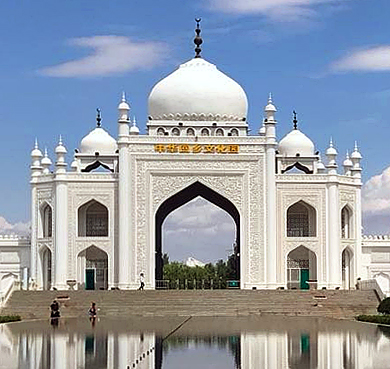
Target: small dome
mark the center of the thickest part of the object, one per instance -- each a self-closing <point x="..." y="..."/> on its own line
<point x="347" y="162"/>
<point x="197" y="90"/>
<point x="99" y="141"/>
<point x="296" y="143"/>
<point x="331" y="151"/>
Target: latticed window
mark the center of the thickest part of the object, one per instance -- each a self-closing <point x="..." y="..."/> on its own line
<point x="301" y="220"/>
<point x="93" y="220"/>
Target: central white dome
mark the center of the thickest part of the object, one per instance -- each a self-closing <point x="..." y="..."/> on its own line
<point x="197" y="90"/>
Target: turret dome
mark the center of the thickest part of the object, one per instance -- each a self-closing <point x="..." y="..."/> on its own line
<point x="99" y="141"/>
<point x="197" y="90"/>
<point x="296" y="143"/>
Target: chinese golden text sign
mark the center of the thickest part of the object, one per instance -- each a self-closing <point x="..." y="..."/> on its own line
<point x="196" y="148"/>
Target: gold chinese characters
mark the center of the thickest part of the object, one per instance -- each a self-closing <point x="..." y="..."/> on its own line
<point x="196" y="148"/>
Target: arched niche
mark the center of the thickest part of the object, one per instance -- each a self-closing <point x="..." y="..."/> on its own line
<point x="301" y="268"/>
<point x="46" y="221"/>
<point x="301" y="220"/>
<point x="46" y="267"/>
<point x="346" y="222"/>
<point x="93" y="220"/>
<point x="92" y="269"/>
<point x="196" y="189"/>
<point x="347" y="269"/>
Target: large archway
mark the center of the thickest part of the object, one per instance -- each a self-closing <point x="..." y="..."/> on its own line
<point x="196" y="189"/>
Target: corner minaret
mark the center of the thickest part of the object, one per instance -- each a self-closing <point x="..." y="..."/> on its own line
<point x="61" y="153"/>
<point x="36" y="156"/>
<point x="126" y="268"/>
<point x="46" y="163"/>
<point x="356" y="157"/>
<point x="60" y="219"/>
<point x="331" y="154"/>
<point x="271" y="231"/>
<point x="123" y="119"/>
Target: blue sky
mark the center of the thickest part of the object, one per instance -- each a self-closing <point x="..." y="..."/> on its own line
<point x="327" y="59"/>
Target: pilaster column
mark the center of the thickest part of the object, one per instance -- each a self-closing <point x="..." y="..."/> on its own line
<point x="124" y="255"/>
<point x="334" y="253"/>
<point x="271" y="251"/>
<point x="61" y="233"/>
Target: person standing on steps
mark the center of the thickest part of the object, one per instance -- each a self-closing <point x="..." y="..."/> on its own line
<point x="141" y="282"/>
<point x="54" y="313"/>
<point x="92" y="312"/>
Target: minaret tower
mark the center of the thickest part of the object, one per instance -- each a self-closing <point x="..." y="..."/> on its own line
<point x="60" y="219"/>
<point x="334" y="254"/>
<point x="36" y="171"/>
<point x="270" y="137"/>
<point x="125" y="247"/>
<point x="356" y="173"/>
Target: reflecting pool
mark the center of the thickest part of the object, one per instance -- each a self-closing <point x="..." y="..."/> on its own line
<point x="197" y="342"/>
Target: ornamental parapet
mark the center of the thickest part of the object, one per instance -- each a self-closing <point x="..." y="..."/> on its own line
<point x="319" y="178"/>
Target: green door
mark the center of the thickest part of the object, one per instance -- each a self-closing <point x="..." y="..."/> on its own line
<point x="89" y="279"/>
<point x="304" y="279"/>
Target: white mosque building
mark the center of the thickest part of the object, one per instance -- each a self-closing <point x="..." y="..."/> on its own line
<point x="97" y="223"/>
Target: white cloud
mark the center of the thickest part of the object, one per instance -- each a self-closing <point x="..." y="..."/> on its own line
<point x="286" y="10"/>
<point x="376" y="204"/>
<point x="199" y="229"/>
<point x="21" y="229"/>
<point x="370" y="59"/>
<point x="376" y="194"/>
<point x="111" y="55"/>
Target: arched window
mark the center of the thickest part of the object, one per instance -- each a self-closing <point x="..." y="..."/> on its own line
<point x="301" y="220"/>
<point x="175" y="132"/>
<point x="93" y="220"/>
<point x="161" y="132"/>
<point x="346" y="222"/>
<point x="205" y="132"/>
<point x="47" y="221"/>
<point x="190" y="132"/>
<point x="219" y="132"/>
<point x="234" y="132"/>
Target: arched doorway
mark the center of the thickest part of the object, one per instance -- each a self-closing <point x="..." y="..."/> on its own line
<point x="347" y="269"/>
<point x="301" y="268"/>
<point x="93" y="269"/>
<point x="197" y="189"/>
<point x="46" y="262"/>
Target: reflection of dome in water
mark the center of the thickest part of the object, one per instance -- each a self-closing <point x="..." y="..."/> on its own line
<point x="197" y="90"/>
<point x="296" y="143"/>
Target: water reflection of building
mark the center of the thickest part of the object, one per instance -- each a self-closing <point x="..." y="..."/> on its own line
<point x="307" y="350"/>
<point x="64" y="350"/>
<point x="323" y="346"/>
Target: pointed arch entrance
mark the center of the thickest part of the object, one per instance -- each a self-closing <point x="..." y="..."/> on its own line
<point x="196" y="189"/>
<point x="93" y="269"/>
<point x="347" y="269"/>
<point x="301" y="268"/>
<point x="46" y="267"/>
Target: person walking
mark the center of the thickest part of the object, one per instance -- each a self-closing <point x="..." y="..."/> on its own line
<point x="141" y="282"/>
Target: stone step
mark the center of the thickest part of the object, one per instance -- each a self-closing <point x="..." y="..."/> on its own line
<point x="341" y="304"/>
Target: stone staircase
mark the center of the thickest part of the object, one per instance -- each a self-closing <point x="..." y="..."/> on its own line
<point x="324" y="303"/>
